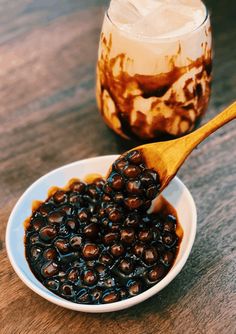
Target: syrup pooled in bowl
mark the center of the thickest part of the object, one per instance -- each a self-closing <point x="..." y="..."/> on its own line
<point x="95" y="242"/>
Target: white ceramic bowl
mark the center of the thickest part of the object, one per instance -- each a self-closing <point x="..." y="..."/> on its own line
<point x="176" y="193"/>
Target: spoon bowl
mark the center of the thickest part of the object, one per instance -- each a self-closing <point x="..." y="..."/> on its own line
<point x="167" y="157"/>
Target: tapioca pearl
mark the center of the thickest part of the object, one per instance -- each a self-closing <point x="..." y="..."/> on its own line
<point x="168" y="258"/>
<point x="92" y="231"/>
<point x="101" y="269"/>
<point x="138" y="249"/>
<point x="110" y="297"/>
<point x="49" y="269"/>
<point x="63" y="230"/>
<point x="67" y="258"/>
<point x="105" y="259"/>
<point x="145" y="235"/>
<point x="67" y="290"/>
<point x="169" y="239"/>
<point x="134" y="187"/>
<point x="171" y="218"/>
<point x="134" y="288"/>
<point x="71" y="224"/>
<point x="114" y="227"/>
<point x="115" y="215"/>
<point x="45" y="209"/>
<point x="117" y="250"/>
<point x="120" y="164"/>
<point x="156" y="234"/>
<point x="35" y="253"/>
<point x="34" y="239"/>
<point x="73" y="275"/>
<point x="158" y="223"/>
<point x="107" y="189"/>
<point x="132" y="220"/>
<point x="37" y="223"/>
<point x="169" y="226"/>
<point x="50" y="254"/>
<point x="110" y="238"/>
<point x="146" y="205"/>
<point x="118" y="198"/>
<point x="87" y="200"/>
<point x="135" y="157"/>
<point x="94" y="219"/>
<point x="48" y="233"/>
<point x="90" y="251"/>
<point x="74" y="198"/>
<point x="152" y="192"/>
<point x="67" y="209"/>
<point x="156" y="273"/>
<point x="90" y="277"/>
<point x="116" y="181"/>
<point x="110" y="208"/>
<point x="127" y="236"/>
<point x="106" y="198"/>
<point x="62" y="245"/>
<point x="109" y="282"/>
<point x="96" y="294"/>
<point x="78" y="187"/>
<point x="53" y="284"/>
<point x="146" y="179"/>
<point x="123" y="293"/>
<point x="76" y="242"/>
<point x="62" y="276"/>
<point x="160" y="247"/>
<point x="150" y="256"/>
<point x="83" y="296"/>
<point x="60" y="197"/>
<point x="99" y="183"/>
<point x="92" y="209"/>
<point x="101" y="213"/>
<point x="93" y="191"/>
<point x="105" y="222"/>
<point x="83" y="215"/>
<point x="90" y="264"/>
<point x="126" y="266"/>
<point x="155" y="176"/>
<point x="131" y="171"/>
<point x="133" y="202"/>
<point x="56" y="217"/>
<point x="149" y="178"/>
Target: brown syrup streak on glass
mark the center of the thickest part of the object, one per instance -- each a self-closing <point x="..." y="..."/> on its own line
<point x="151" y="86"/>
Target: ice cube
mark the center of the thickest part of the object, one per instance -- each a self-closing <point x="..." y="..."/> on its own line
<point x="168" y="19"/>
<point x="162" y="18"/>
<point x="145" y="7"/>
<point x="123" y="12"/>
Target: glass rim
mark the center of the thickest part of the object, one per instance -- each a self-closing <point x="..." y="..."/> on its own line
<point x="158" y="38"/>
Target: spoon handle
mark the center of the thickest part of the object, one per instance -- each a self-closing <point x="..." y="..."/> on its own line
<point x="195" y="138"/>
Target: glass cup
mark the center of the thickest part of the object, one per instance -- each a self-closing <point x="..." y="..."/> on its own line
<point x="153" y="87"/>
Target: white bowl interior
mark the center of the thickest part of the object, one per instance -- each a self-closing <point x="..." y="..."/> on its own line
<point x="176" y="194"/>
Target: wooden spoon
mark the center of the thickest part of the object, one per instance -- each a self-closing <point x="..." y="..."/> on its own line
<point x="167" y="157"/>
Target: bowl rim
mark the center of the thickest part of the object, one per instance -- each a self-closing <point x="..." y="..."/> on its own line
<point x="102" y="308"/>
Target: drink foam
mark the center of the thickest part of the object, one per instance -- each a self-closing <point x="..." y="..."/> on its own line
<point x="157" y="18"/>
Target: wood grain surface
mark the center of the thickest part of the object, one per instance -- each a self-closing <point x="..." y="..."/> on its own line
<point x="48" y="117"/>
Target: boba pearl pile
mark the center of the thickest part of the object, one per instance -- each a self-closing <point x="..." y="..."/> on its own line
<point x="96" y="243"/>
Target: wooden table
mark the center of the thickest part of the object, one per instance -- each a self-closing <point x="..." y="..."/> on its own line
<point x="48" y="117"/>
